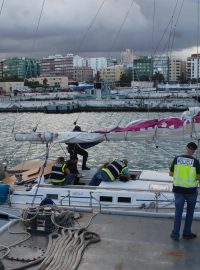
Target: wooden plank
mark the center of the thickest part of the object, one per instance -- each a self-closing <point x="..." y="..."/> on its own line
<point x="27" y="165"/>
<point x="29" y="175"/>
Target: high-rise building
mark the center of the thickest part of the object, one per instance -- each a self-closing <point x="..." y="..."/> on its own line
<point x="160" y="64"/>
<point x="79" y="61"/>
<point x="97" y="63"/>
<point x="57" y="65"/>
<point x="193" y="67"/>
<point x="127" y="57"/>
<point x="1" y="70"/>
<point x="177" y="69"/>
<point x="21" y="68"/>
<point x="83" y="74"/>
<point x="142" y="68"/>
<point x="111" y="74"/>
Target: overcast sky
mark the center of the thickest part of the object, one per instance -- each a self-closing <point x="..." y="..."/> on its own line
<point x="98" y="27"/>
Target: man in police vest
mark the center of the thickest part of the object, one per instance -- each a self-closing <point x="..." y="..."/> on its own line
<point x="60" y="174"/>
<point x="110" y="172"/>
<point x="185" y="170"/>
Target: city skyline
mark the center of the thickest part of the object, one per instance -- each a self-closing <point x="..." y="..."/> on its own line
<point x="98" y="28"/>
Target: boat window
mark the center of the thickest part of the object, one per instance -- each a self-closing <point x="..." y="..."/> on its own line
<point x="106" y="199"/>
<point x="52" y="196"/>
<point x="124" y="199"/>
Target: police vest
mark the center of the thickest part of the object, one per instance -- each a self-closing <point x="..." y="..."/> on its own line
<point x="184" y="176"/>
<point x="58" y="173"/>
<point x="114" y="169"/>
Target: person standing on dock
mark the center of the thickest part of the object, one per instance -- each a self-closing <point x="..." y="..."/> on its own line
<point x="185" y="170"/>
<point x="75" y="149"/>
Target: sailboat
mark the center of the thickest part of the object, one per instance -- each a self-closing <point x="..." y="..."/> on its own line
<point x="146" y="190"/>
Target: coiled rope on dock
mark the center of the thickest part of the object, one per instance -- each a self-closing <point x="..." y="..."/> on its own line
<point x="64" y="250"/>
<point x="66" y="245"/>
<point x="67" y="249"/>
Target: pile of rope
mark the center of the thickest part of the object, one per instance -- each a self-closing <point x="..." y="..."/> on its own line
<point x="60" y="217"/>
<point x="64" y="250"/>
<point x="66" y="244"/>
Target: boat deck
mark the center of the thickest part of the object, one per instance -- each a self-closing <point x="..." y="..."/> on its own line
<point x="127" y="242"/>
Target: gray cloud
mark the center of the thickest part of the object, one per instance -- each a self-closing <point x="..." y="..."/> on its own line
<point x="68" y="26"/>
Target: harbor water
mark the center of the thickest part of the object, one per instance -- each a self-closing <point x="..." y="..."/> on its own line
<point x="141" y="154"/>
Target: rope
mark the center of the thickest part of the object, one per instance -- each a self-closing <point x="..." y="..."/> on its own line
<point x="33" y="44"/>
<point x="169" y="23"/>
<point x="35" y="128"/>
<point x="67" y="250"/>
<point x="16" y="243"/>
<point x="153" y="27"/>
<point x="121" y="26"/>
<point x="42" y="173"/>
<point x="64" y="249"/>
<point x="89" y="27"/>
<point x="1" y="6"/>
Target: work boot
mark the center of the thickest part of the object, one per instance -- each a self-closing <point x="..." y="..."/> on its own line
<point x="174" y="237"/>
<point x="85" y="168"/>
<point x="189" y="236"/>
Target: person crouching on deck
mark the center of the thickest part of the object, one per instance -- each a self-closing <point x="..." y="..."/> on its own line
<point x="110" y="172"/>
<point x="60" y="174"/>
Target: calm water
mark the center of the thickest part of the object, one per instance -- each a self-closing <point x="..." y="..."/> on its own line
<point x="142" y="154"/>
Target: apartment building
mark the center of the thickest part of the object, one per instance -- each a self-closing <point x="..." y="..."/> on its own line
<point x="177" y="70"/>
<point x="193" y="67"/>
<point x="127" y="57"/>
<point x="1" y="70"/>
<point x="20" y="67"/>
<point x="95" y="63"/>
<point x="142" y="68"/>
<point x="83" y="74"/>
<point x="111" y="74"/>
<point x="160" y="64"/>
<point x="57" y="65"/>
<point x="55" y="82"/>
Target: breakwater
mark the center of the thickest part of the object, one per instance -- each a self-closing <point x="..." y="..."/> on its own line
<point x="142" y="104"/>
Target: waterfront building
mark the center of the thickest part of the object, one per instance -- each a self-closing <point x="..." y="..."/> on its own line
<point x="79" y="61"/>
<point x="112" y="74"/>
<point x="1" y="70"/>
<point x="83" y="74"/>
<point x="193" y="67"/>
<point x="160" y="64"/>
<point x="97" y="63"/>
<point x="20" y="68"/>
<point x="127" y="57"/>
<point x="142" y="68"/>
<point x="177" y="70"/>
<point x="111" y="62"/>
<point x="54" y="81"/>
<point x="8" y="87"/>
<point x="57" y="65"/>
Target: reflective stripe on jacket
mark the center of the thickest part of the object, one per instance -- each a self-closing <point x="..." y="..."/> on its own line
<point x="114" y="169"/>
<point x="184" y="176"/>
<point x="58" y="173"/>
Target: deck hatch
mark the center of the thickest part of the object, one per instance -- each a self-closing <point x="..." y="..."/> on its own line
<point x="106" y="199"/>
<point x="124" y="200"/>
<point x="52" y="196"/>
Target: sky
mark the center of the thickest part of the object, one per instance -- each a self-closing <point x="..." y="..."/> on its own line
<point x="39" y="28"/>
